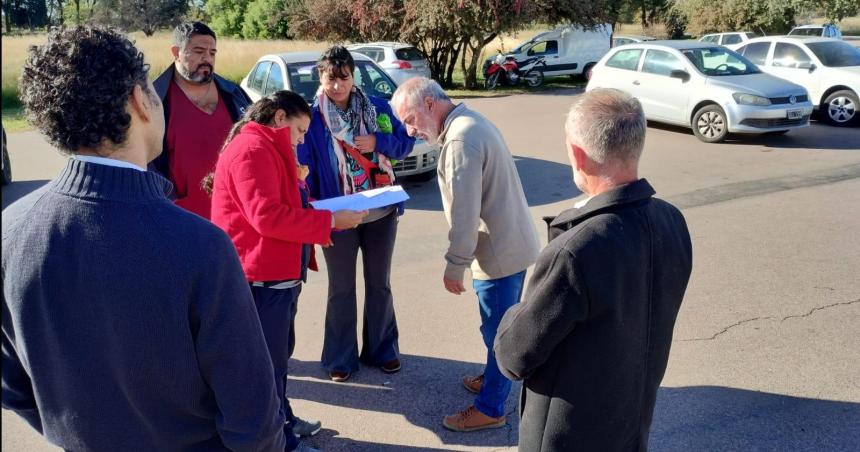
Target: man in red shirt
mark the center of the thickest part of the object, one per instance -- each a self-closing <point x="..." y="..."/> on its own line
<point x="199" y="109"/>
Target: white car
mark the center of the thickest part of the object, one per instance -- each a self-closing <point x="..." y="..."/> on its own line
<point x="823" y="31"/>
<point x="620" y="40"/>
<point x="297" y="72"/>
<point x="727" y="39"/>
<point x="828" y="68"/>
<point x="401" y="61"/>
<point x="709" y="88"/>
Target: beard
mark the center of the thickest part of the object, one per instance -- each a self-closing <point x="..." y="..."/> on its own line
<point x="197" y="75"/>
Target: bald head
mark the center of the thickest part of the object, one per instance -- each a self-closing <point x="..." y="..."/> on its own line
<point x="609" y="125"/>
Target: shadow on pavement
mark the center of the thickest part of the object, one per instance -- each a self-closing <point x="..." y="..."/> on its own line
<point x="17" y="190"/>
<point x="423" y="392"/>
<point x="544" y="182"/>
<point x="720" y="418"/>
<point x="817" y="136"/>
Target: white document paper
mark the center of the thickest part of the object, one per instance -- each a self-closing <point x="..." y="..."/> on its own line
<point x="370" y="199"/>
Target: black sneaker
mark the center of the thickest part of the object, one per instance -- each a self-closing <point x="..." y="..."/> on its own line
<point x="305" y="428"/>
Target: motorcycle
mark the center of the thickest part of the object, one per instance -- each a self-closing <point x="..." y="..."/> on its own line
<point x="505" y="70"/>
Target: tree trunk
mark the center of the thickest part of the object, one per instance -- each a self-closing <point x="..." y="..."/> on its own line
<point x="77" y="12"/>
<point x="450" y="70"/>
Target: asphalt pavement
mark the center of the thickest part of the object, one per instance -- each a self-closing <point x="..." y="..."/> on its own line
<point x="765" y="354"/>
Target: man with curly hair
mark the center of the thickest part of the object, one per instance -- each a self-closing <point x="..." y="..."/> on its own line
<point x="200" y="108"/>
<point x="127" y="321"/>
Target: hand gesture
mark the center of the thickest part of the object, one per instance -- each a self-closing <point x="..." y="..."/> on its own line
<point x="366" y="143"/>
<point x="455" y="286"/>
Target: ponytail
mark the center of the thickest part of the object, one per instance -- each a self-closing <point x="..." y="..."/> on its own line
<point x="262" y="112"/>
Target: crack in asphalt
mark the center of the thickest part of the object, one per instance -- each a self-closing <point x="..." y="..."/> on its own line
<point x="746" y="189"/>
<point x="724" y="330"/>
<point x="811" y="311"/>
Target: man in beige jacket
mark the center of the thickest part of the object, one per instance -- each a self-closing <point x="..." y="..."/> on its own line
<point x="491" y="229"/>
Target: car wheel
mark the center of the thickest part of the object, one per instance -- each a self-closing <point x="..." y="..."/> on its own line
<point x="840" y="108"/>
<point x="586" y="72"/>
<point x="493" y="81"/>
<point x="710" y="124"/>
<point x="534" y="78"/>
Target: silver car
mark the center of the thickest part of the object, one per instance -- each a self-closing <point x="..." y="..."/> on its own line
<point x="296" y="71"/>
<point x="706" y="87"/>
<point x="401" y="61"/>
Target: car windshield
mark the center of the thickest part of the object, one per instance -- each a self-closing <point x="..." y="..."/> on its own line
<point x="835" y="54"/>
<point x="524" y="46"/>
<point x="304" y="79"/>
<point x="806" y="32"/>
<point x="719" y="61"/>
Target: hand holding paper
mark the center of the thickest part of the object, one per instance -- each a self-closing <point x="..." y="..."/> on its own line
<point x="366" y="200"/>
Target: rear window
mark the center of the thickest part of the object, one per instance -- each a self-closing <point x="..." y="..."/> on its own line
<point x="806" y="32"/>
<point x="408" y="54"/>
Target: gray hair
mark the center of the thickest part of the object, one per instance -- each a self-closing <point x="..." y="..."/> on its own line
<point x="412" y="92"/>
<point x="608" y="124"/>
<point x="187" y="30"/>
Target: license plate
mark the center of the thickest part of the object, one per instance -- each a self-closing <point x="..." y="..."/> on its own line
<point x="795" y="114"/>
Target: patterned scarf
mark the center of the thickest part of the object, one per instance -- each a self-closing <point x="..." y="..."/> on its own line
<point x="359" y="119"/>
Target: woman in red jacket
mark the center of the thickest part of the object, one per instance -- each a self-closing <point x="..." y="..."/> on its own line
<point x="260" y="200"/>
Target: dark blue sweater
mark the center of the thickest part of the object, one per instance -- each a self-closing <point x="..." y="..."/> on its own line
<point x="127" y="322"/>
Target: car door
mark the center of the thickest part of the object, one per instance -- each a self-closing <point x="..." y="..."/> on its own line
<point x="757" y="53"/>
<point x="619" y="71"/>
<point x="792" y="62"/>
<point x="663" y="97"/>
<point x="554" y="61"/>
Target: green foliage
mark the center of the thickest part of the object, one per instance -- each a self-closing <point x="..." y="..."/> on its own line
<point x="265" y="19"/>
<point x="228" y="16"/>
<point x="760" y="16"/>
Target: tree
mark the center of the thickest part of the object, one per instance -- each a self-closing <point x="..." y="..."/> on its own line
<point x="227" y="16"/>
<point x="144" y="15"/>
<point x="265" y="19"/>
<point x="763" y="16"/>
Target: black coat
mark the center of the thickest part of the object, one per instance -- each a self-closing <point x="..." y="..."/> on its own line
<point x="591" y="338"/>
<point x="235" y="99"/>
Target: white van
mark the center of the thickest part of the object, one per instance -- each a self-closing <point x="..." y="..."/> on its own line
<point x="568" y="50"/>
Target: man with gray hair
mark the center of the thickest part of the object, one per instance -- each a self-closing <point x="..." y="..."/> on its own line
<point x="591" y="338"/>
<point x="491" y="229"/>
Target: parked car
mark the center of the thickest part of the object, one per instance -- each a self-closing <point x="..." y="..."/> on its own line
<point x="726" y="39"/>
<point x="823" y="31"/>
<point x="620" y="40"/>
<point x="296" y="71"/>
<point x="7" y="165"/>
<point x="401" y="61"/>
<point x="828" y="68"/>
<point x="568" y="50"/>
<point x="709" y="88"/>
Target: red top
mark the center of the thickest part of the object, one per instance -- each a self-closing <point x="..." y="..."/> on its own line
<point x="194" y="139"/>
<point x="256" y="200"/>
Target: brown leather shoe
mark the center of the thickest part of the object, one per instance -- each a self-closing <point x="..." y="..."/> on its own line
<point x="470" y="420"/>
<point x="473" y="384"/>
<point x="339" y="376"/>
<point x="391" y="366"/>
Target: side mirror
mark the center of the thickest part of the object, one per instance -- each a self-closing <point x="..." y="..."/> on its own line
<point x="683" y="75"/>
<point x="807" y="65"/>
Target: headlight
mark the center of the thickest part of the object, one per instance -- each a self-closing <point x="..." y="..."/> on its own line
<point x="751" y="99"/>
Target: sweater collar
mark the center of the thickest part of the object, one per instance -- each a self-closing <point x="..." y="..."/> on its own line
<point x="91" y="180"/>
<point x="280" y="138"/>
<point x="459" y="110"/>
<point x="623" y="194"/>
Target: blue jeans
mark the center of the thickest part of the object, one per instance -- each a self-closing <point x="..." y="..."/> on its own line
<point x="495" y="296"/>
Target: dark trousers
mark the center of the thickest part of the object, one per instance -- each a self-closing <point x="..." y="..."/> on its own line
<point x="379" y="332"/>
<point x="277" y="311"/>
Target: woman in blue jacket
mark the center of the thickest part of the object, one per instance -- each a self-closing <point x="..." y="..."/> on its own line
<point x="352" y="141"/>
